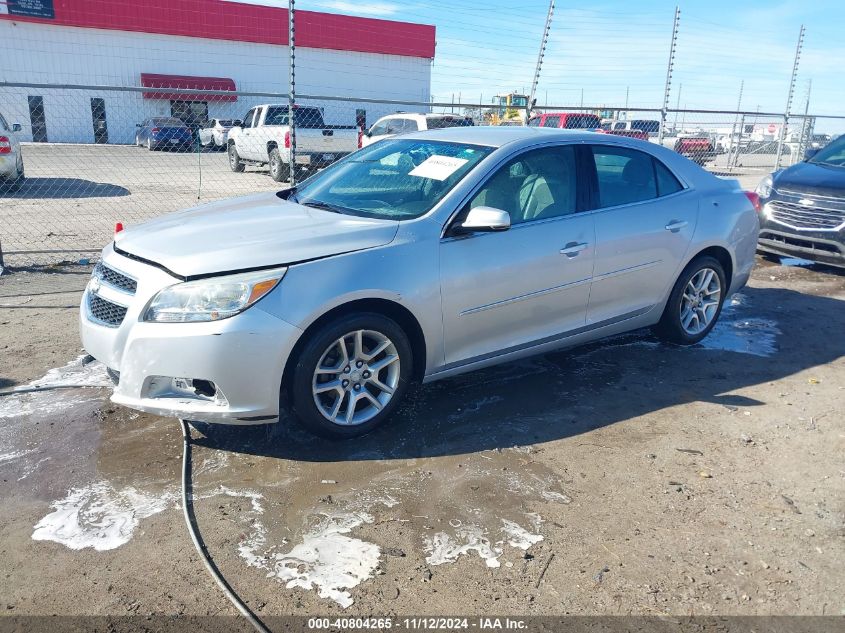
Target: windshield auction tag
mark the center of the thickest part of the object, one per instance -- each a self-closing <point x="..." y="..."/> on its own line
<point x="437" y="167"/>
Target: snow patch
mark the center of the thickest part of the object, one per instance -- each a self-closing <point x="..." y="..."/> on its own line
<point x="98" y="516"/>
<point x="557" y="497"/>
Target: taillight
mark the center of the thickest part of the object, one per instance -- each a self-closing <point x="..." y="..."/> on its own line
<point x="755" y="200"/>
<point x="156" y="130"/>
<point x="360" y="138"/>
<point x="6" y="145"/>
<point x="118" y="227"/>
<point x="287" y="140"/>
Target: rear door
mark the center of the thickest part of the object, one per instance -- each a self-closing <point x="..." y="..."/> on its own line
<point x="510" y="289"/>
<point x="644" y="223"/>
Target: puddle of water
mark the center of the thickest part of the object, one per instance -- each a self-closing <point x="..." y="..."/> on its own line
<point x="795" y="261"/>
<point x="98" y="516"/>
<point x="746" y="335"/>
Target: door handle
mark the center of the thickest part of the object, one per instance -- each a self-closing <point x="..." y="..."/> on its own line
<point x="573" y="248"/>
<point x="676" y="225"/>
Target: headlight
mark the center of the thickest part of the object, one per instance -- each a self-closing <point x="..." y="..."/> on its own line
<point x="764" y="189"/>
<point x="212" y="299"/>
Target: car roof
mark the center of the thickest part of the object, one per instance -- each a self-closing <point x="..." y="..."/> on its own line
<point x="422" y="115"/>
<point x="498" y="136"/>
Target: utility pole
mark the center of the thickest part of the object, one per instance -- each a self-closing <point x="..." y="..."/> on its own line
<point x="292" y="90"/>
<point x="789" y="96"/>
<point x="672" y="49"/>
<point x="545" y="40"/>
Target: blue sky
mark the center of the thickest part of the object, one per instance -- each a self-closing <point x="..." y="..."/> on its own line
<point x="609" y="48"/>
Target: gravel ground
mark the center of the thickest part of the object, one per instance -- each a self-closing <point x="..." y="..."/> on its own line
<point x="627" y="477"/>
<point x="74" y="194"/>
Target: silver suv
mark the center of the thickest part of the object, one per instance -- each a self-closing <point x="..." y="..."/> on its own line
<point x="416" y="258"/>
<point x="11" y="159"/>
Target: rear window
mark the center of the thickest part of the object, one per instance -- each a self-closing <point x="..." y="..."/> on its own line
<point x="225" y="122"/>
<point x="649" y="127"/>
<point x="582" y="121"/>
<point x="534" y="122"/>
<point x="305" y="117"/>
<point x="437" y="123"/>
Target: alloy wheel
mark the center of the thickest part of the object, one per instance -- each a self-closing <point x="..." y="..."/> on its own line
<point x="356" y="377"/>
<point x="700" y="301"/>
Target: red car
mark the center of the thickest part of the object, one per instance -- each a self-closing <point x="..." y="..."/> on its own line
<point x="629" y="133"/>
<point x="566" y="120"/>
<point x="697" y="149"/>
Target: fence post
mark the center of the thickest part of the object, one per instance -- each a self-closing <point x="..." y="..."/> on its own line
<point x="543" y="42"/>
<point x="2" y="265"/>
<point x="292" y="90"/>
<point x="789" y="96"/>
<point x="733" y="129"/>
<point x="672" y="49"/>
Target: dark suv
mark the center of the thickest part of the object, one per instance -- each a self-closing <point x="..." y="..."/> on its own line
<point x="803" y="212"/>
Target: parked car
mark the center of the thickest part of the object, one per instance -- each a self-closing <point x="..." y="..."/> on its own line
<point x="804" y="207"/>
<point x="264" y="139"/>
<point x="698" y="149"/>
<point x="215" y="132"/>
<point x="426" y="256"/>
<point x="163" y="132"/>
<point x="404" y="122"/>
<point x="649" y="127"/>
<point x="11" y="159"/>
<point x="566" y="120"/>
<point x="637" y="134"/>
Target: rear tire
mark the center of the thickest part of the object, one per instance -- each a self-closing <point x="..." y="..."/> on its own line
<point x="695" y="303"/>
<point x="150" y="144"/>
<point x="369" y="373"/>
<point x="279" y="171"/>
<point x="14" y="185"/>
<point x="235" y="163"/>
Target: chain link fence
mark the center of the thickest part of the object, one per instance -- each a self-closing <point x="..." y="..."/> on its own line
<point x="97" y="156"/>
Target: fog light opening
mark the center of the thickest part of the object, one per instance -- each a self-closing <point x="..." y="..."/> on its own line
<point x="204" y="388"/>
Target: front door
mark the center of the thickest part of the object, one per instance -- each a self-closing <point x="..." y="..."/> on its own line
<point x="644" y="227"/>
<point x="510" y="289"/>
<point x="98" y="119"/>
<point x="37" y="119"/>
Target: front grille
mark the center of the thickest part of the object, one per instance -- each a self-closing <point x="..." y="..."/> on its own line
<point x="802" y="216"/>
<point x="104" y="311"/>
<point x="115" y="278"/>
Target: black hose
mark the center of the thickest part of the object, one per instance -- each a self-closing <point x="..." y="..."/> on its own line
<point x="193" y="530"/>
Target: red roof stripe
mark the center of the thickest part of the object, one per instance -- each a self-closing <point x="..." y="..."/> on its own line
<point x="237" y="22"/>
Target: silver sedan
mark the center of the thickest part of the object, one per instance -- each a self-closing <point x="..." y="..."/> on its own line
<point x="417" y="258"/>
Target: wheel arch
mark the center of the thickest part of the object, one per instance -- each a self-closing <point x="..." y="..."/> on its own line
<point x="720" y="254"/>
<point x="396" y="311"/>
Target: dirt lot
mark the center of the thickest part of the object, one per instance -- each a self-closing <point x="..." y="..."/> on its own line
<point x="628" y="477"/>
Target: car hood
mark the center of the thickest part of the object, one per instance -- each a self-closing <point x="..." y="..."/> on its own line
<point x="811" y="178"/>
<point x="251" y="232"/>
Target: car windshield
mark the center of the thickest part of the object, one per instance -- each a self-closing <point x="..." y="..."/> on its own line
<point x="394" y="179"/>
<point x="832" y="154"/>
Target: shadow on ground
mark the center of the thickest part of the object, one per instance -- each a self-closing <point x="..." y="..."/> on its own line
<point x="567" y="393"/>
<point x="59" y="188"/>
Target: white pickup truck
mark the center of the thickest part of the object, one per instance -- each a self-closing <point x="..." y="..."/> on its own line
<point x="264" y="139"/>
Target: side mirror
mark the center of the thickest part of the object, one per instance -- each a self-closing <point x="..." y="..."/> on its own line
<point x="16" y="127"/>
<point x="810" y="152"/>
<point x="485" y="219"/>
<point x="368" y="133"/>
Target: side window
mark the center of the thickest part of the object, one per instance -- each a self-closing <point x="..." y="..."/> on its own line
<point x="624" y="175"/>
<point x="666" y="182"/>
<point x="248" y="118"/>
<point x="552" y="121"/>
<point x="395" y="126"/>
<point x="536" y="185"/>
<point x="619" y="125"/>
<point x="411" y="125"/>
<point x="534" y="121"/>
<point x="379" y="129"/>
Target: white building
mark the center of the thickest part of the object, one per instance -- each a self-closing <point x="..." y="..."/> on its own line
<point x="61" y="62"/>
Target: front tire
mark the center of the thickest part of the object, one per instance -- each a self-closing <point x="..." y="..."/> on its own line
<point x="694" y="304"/>
<point x="235" y="163"/>
<point x="279" y="170"/>
<point x="150" y="144"/>
<point x="351" y="375"/>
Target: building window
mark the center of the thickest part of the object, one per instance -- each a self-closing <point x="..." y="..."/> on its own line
<point x="98" y="120"/>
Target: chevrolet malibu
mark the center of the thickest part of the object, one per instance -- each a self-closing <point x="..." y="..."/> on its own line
<point x="414" y="259"/>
